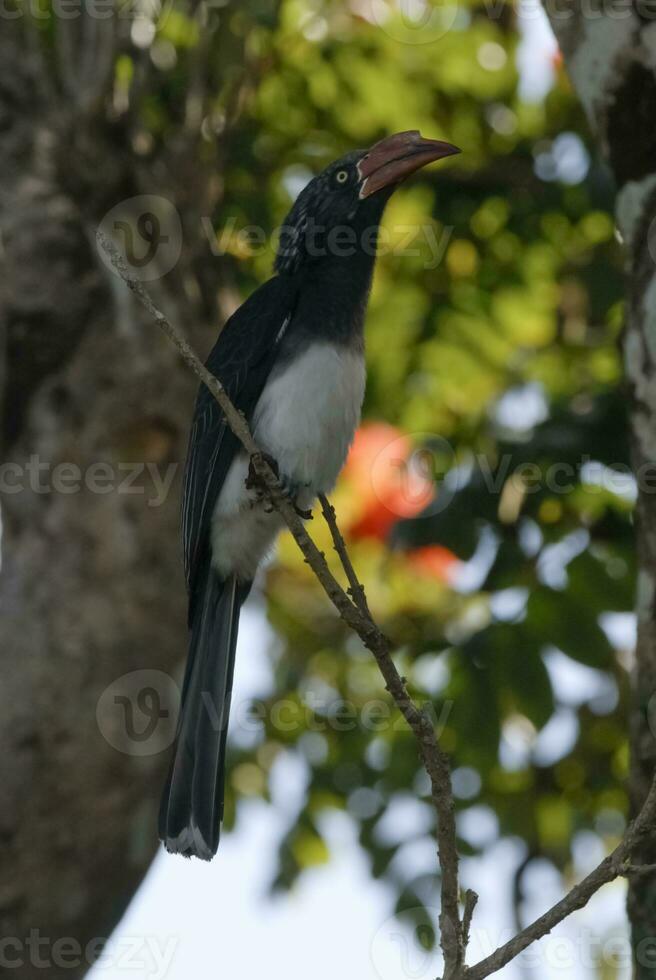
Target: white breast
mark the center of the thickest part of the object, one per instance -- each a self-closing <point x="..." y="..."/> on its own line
<point x="308" y="412"/>
<point x="305" y="418"/>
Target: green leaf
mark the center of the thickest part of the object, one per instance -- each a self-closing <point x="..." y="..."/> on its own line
<point x="557" y="619"/>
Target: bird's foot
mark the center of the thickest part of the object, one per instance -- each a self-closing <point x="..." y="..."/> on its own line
<point x="254" y="483"/>
<point x="292" y="488"/>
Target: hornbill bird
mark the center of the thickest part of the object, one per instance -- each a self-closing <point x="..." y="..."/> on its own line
<point x="292" y="359"/>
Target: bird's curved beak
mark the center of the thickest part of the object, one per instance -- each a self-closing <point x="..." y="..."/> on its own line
<point x="396" y="157"/>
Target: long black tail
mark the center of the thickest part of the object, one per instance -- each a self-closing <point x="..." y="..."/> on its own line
<point x="191" y="810"/>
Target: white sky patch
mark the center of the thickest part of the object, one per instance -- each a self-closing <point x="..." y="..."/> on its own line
<point x="587" y="851"/>
<point x="517" y="740"/>
<point x="565" y="159"/>
<point x="466" y="782"/>
<point x="620" y="482"/>
<point x="404" y="817"/>
<point x="470" y="575"/>
<point x="536" y="53"/>
<point x="295" y="179"/>
<point x="478" y="825"/>
<point x="509" y="605"/>
<point x="574" y="683"/>
<point x="620" y="628"/>
<point x="530" y="536"/>
<point x="431" y="672"/>
<point x="224" y="924"/>
<point x="578" y="947"/>
<point x="520" y="409"/>
<point x="557" y="738"/>
<point x="553" y="561"/>
<point x="414" y="859"/>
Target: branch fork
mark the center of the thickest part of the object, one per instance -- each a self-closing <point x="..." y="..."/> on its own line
<point x="351" y="604"/>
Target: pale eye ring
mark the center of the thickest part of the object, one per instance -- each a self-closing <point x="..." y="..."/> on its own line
<point x="341" y="176"/>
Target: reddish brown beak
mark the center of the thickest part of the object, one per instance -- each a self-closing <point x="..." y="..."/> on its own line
<point x="396" y="157"/>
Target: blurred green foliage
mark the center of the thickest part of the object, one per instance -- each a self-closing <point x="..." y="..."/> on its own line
<point x="496" y="329"/>
<point x="505" y="344"/>
<point x="524" y="298"/>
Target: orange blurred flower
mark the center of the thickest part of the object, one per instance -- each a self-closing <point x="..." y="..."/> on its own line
<point x="433" y="561"/>
<point x="388" y="487"/>
<point x="391" y="481"/>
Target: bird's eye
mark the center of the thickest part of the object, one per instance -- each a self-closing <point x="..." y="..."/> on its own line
<point x="341" y="176"/>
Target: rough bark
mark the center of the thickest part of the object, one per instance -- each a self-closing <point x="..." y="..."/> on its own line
<point x="91" y="585"/>
<point x="610" y="54"/>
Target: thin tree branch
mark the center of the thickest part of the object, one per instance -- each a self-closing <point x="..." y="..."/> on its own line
<point x="454" y="932"/>
<point x="434" y="760"/>
<point x="471" y="898"/>
<point x="356" y="589"/>
<point x="613" y="866"/>
<point x="637" y="870"/>
<point x="436" y="764"/>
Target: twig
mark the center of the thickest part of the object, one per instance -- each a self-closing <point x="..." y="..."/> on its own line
<point x="356" y="589"/>
<point x="610" y="868"/>
<point x="434" y="760"/>
<point x="471" y="898"/>
<point x="637" y="870"/>
<point x="454" y="933"/>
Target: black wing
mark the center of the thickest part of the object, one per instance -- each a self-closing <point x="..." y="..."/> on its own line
<point x="241" y="359"/>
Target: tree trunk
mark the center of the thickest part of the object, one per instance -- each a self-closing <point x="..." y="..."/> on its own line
<point x="91" y="586"/>
<point x="610" y="54"/>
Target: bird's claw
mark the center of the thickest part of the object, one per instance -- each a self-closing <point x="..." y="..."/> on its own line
<point x="253" y="480"/>
<point x="288" y="485"/>
<point x="293" y="488"/>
